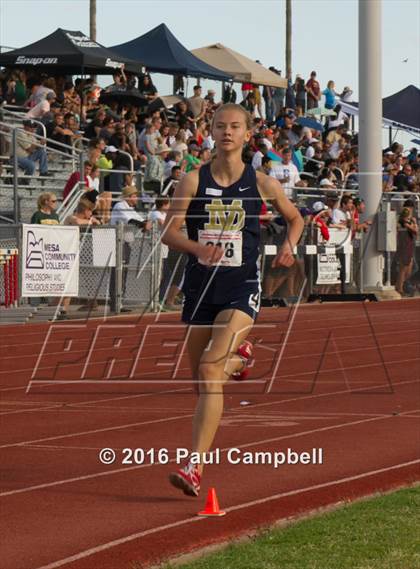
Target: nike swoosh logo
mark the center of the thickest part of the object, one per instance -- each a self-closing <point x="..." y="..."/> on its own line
<point x="243" y="189"/>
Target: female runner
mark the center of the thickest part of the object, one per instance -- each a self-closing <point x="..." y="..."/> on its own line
<point x="220" y="204"/>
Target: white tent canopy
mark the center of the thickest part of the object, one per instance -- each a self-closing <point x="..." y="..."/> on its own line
<point x="243" y="69"/>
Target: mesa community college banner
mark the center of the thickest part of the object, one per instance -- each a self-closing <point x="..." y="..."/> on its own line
<point x="50" y="261"/>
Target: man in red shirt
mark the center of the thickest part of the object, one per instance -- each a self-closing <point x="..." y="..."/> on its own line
<point x="313" y="89"/>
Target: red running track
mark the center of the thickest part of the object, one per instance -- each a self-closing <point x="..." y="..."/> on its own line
<point x="342" y="377"/>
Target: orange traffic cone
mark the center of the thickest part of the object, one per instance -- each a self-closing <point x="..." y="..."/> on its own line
<point x="212" y="505"/>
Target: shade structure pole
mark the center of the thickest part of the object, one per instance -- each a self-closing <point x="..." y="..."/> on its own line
<point x="370" y="132"/>
<point x="289" y="39"/>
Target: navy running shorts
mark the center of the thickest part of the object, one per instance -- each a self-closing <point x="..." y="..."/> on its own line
<point x="204" y="313"/>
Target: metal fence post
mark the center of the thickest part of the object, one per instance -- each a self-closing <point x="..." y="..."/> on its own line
<point x="19" y="239"/>
<point x="362" y="254"/>
<point x="118" y="267"/>
<point x="15" y="177"/>
<point x="153" y="304"/>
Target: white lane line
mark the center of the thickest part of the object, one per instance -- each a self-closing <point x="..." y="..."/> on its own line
<point x="195" y="519"/>
<point x="74" y="406"/>
<point x="225" y="449"/>
<point x="156" y="380"/>
<point x="186" y="416"/>
<point x="153" y="357"/>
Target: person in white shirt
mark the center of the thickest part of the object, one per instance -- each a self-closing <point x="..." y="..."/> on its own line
<point x="342" y="216"/>
<point x="124" y="211"/>
<point x="42" y="108"/>
<point x="286" y="173"/>
<point x="259" y="155"/>
<point x="158" y="216"/>
<point x="310" y="151"/>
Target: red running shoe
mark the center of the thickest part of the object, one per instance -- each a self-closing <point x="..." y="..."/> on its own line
<point x="245" y="353"/>
<point x="187" y="479"/>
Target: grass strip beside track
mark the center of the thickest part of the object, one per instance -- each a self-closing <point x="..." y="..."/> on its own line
<point x="379" y="533"/>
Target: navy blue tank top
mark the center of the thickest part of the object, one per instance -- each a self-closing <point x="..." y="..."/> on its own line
<point x="228" y="216"/>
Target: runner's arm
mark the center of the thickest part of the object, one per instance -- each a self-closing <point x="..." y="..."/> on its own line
<point x="272" y="192"/>
<point x="172" y="234"/>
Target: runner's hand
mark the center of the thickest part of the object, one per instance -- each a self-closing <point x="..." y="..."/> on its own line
<point x="284" y="258"/>
<point x="209" y="254"/>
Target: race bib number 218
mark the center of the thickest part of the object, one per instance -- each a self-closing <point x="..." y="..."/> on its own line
<point x="230" y="241"/>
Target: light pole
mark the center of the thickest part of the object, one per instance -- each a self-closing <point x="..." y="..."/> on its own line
<point x="92" y="20"/>
<point x="370" y="132"/>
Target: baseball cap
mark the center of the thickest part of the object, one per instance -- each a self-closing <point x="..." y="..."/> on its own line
<point x="110" y="149"/>
<point x="325" y="182"/>
<point x="319" y="206"/>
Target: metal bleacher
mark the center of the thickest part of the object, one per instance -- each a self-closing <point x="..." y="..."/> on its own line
<point x="60" y="165"/>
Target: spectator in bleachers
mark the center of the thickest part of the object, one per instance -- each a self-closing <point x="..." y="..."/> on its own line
<point x="313" y="90"/>
<point x="16" y="88"/>
<point x="58" y="131"/>
<point x="43" y="108"/>
<point x="407" y="234"/>
<point x="75" y="178"/>
<point x="71" y="98"/>
<point x="321" y="217"/>
<point x="180" y="144"/>
<point x="108" y="129"/>
<point x="196" y="104"/>
<point x="29" y="152"/>
<point x="46" y="214"/>
<point x="146" y="88"/>
<point x="287" y="173"/>
<point x="173" y="159"/>
<point x="300" y="93"/>
<point x="83" y="214"/>
<point x="341" y="216"/>
<point x="39" y="90"/>
<point x="405" y="181"/>
<point x="191" y="159"/>
<point x="229" y="94"/>
<point x="184" y="116"/>
<point x="262" y="150"/>
<point x="268" y="96"/>
<point x="330" y="95"/>
<point x="94" y="128"/>
<point x="155" y="168"/>
<point x="170" y="183"/>
<point x="359" y="208"/>
<point x="249" y="103"/>
<point x="258" y="100"/>
<point x="119" y="81"/>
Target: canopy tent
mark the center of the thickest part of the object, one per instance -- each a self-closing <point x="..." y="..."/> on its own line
<point x="68" y="52"/>
<point x="161" y="52"/>
<point x="400" y="110"/>
<point x="243" y="69"/>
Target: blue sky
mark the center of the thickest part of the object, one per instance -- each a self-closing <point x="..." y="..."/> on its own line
<point x="325" y="34"/>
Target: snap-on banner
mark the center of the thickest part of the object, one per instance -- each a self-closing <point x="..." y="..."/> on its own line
<point x="50" y="261"/>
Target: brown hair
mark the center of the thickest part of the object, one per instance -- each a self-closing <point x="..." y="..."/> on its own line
<point x="160" y="202"/>
<point x="235" y="107"/>
<point x="44" y="198"/>
<point x="83" y="205"/>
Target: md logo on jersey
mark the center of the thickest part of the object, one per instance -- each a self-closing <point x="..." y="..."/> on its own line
<point x="225" y="217"/>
